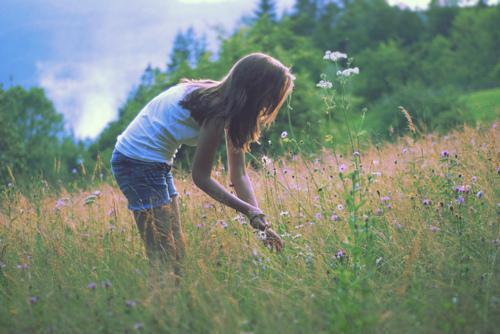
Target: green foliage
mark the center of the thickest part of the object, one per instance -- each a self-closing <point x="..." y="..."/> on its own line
<point x="431" y="110"/>
<point x="32" y="137"/>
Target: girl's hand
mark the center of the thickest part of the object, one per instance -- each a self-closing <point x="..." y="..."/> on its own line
<point x="269" y="237"/>
<point x="273" y="240"/>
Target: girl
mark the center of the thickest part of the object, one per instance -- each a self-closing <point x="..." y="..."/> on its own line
<point x="198" y="113"/>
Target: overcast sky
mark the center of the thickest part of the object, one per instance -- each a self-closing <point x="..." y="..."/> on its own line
<point x="88" y="54"/>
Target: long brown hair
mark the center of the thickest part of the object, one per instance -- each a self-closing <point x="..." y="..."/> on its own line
<point x="249" y="96"/>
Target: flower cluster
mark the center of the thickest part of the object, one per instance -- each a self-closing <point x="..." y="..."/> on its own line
<point x="348" y="72"/>
<point x="324" y="84"/>
<point x="334" y="56"/>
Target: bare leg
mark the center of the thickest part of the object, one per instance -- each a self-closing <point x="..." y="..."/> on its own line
<point x="155" y="228"/>
<point x="161" y="231"/>
<point x="180" y="241"/>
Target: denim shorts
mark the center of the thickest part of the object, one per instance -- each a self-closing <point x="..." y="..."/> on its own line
<point x="145" y="184"/>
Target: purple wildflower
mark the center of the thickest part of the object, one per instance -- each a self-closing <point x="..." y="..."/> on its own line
<point x="91" y="286"/>
<point x="335" y="218"/>
<point x="130" y="303"/>
<point x="445" y="154"/>
<point x="385" y="199"/>
<point x="33" y="300"/>
<point x="460" y="200"/>
<point x="426" y="201"/>
<point x="340" y="254"/>
<point x="318" y="215"/>
<point x="434" y="228"/>
<point x="342" y="168"/>
<point x="474" y="179"/>
<point x="479" y="194"/>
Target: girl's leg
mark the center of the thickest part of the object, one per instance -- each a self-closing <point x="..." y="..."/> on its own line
<point x="156" y="229"/>
<point x="180" y="243"/>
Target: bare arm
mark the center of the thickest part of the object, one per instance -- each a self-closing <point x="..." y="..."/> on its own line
<point x="237" y="173"/>
<point x="208" y="141"/>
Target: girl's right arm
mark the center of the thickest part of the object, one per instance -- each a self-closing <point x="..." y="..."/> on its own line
<point x="208" y="141"/>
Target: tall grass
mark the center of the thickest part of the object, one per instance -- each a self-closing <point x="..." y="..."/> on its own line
<point x="74" y="262"/>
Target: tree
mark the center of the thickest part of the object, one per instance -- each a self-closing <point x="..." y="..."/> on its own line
<point x="266" y="8"/>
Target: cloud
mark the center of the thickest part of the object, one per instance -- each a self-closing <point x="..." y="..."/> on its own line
<point x="101" y="48"/>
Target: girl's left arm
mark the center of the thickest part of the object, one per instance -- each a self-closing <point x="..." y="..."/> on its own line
<point x="238" y="175"/>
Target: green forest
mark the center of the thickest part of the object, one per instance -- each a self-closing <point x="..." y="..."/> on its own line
<point x="442" y="64"/>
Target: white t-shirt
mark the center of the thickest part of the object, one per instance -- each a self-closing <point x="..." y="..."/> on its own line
<point x="160" y="128"/>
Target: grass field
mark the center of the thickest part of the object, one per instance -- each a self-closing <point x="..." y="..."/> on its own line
<point x="419" y="254"/>
<point x="484" y="104"/>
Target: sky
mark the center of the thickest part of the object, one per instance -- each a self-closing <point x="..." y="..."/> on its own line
<point x="89" y="54"/>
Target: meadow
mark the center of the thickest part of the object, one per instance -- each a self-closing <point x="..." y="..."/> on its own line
<point x="400" y="238"/>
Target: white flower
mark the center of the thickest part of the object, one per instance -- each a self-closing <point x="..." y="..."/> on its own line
<point x="334" y="56"/>
<point x="348" y="72"/>
<point x="266" y="160"/>
<point x="324" y="84"/>
<point x="284" y="134"/>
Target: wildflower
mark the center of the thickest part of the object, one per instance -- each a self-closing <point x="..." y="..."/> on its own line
<point x="199" y="225"/>
<point x="318" y="215"/>
<point x="91" y="286"/>
<point x="340" y="254"/>
<point x="445" y="154"/>
<point x="97" y="193"/>
<point x="106" y="284"/>
<point x="284" y="134"/>
<point x="138" y="326"/>
<point x="375" y="162"/>
<point x="385" y="199"/>
<point x="284" y="213"/>
<point x="33" y="300"/>
<point x="434" y="228"/>
<point x="208" y="205"/>
<point x="340" y="207"/>
<point x="460" y="200"/>
<point x="334" y="56"/>
<point x="474" y="179"/>
<point x="378" y="260"/>
<point x="356" y="154"/>
<point x="130" y="303"/>
<point x="479" y="194"/>
<point x="342" y="168"/>
<point x="397" y="225"/>
<point x="334" y="218"/>
<point x="261" y="235"/>
<point x="10" y="185"/>
<point x="240" y="219"/>
<point x="22" y="266"/>
<point x="348" y="72"/>
<point x="426" y="201"/>
<point x="325" y="84"/>
<point x="74" y="171"/>
<point x="222" y="224"/>
<point x="405" y="150"/>
<point x="266" y="160"/>
<point x="61" y="202"/>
